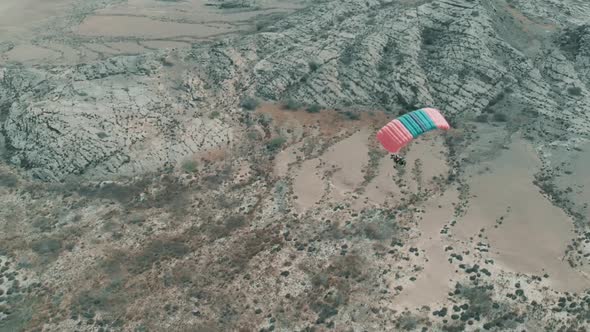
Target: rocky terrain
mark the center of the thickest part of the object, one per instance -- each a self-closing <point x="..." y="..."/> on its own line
<point x="234" y="183"/>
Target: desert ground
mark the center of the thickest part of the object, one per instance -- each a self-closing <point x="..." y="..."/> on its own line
<point x="71" y="31"/>
<point x="213" y="166"/>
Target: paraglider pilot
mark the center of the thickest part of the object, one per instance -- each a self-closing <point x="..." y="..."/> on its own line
<point x="399" y="160"/>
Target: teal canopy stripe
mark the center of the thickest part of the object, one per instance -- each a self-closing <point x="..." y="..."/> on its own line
<point x="417" y="122"/>
<point x="407" y="122"/>
<point x="426" y="119"/>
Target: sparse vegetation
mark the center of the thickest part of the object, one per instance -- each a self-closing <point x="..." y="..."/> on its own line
<point x="347" y="55"/>
<point x="377" y="224"/>
<point x="409" y="322"/>
<point x="47" y="246"/>
<point x="500" y="117"/>
<point x="231" y="4"/>
<point x="482" y="118"/>
<point x="350" y="115"/>
<point x="249" y="103"/>
<point x="429" y="36"/>
<point x="8" y="180"/>
<point x="371" y="169"/>
<point x="292" y="105"/>
<point x="574" y="91"/>
<point x="224" y="227"/>
<point x="499" y="97"/>
<point x="252" y="135"/>
<point x="189" y="166"/>
<point x="313" y="66"/>
<point x="276" y="143"/>
<point x="314" y="108"/>
<point x="158" y="250"/>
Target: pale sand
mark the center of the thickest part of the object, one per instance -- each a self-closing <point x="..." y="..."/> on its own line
<point x="68" y="54"/>
<point x="155" y="19"/>
<point x="382" y="188"/>
<point x="143" y="27"/>
<point x="100" y="48"/>
<point x="196" y="11"/>
<point x="285" y="158"/>
<point x="578" y="179"/>
<point x="127" y="47"/>
<point x="581" y="172"/>
<point x="534" y="233"/>
<point x="164" y="44"/>
<point x="429" y="150"/>
<point x="433" y="283"/>
<point x="27" y="52"/>
<point x="20" y="17"/>
<point x="243" y="173"/>
<point x="308" y="185"/>
<point x="348" y="157"/>
<point x="345" y="159"/>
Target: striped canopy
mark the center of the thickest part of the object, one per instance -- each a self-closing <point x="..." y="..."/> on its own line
<point x="401" y="131"/>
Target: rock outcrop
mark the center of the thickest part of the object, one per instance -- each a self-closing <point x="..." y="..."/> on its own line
<point x="132" y="114"/>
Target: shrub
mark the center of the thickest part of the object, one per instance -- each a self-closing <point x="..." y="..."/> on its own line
<point x="352" y="115"/>
<point x="232" y="4"/>
<point x="429" y="36"/>
<point x="249" y="103"/>
<point x="46" y="246"/>
<point x="8" y="180"/>
<point x="252" y="135"/>
<point x="276" y="143"/>
<point x="260" y="26"/>
<point x="409" y="322"/>
<point x="224" y="227"/>
<point x="497" y="99"/>
<point x="376" y="224"/>
<point x="291" y="104"/>
<point x="500" y="117"/>
<point x="157" y="251"/>
<point x="314" y="108"/>
<point x="189" y="166"/>
<point x="214" y="114"/>
<point x="313" y="66"/>
<point x="574" y="91"/>
<point x="347" y="55"/>
<point x="479" y="297"/>
<point x="482" y="118"/>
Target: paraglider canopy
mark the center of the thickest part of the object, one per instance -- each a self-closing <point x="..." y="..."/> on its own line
<point x="401" y="131"/>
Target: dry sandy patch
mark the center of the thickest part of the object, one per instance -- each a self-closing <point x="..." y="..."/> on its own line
<point x="308" y="185"/>
<point x="533" y="234"/>
<point x="143" y="27"/>
<point x="27" y="53"/>
<point x="433" y="283"/>
<point x="20" y="17"/>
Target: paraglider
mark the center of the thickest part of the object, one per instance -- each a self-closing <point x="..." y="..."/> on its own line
<point x="401" y="131"/>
